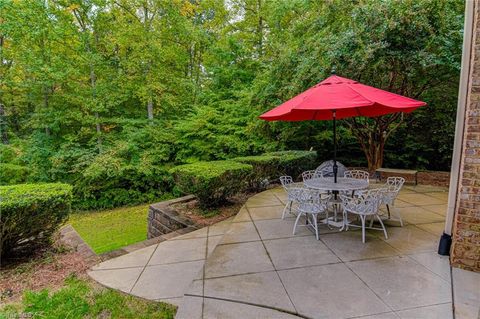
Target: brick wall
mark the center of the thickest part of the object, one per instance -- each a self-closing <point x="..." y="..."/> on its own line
<point x="437" y="178"/>
<point x="466" y="231"/>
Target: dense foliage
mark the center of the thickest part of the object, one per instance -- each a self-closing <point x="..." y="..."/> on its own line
<point x="109" y="95"/>
<point x="30" y="214"/>
<point x="212" y="182"/>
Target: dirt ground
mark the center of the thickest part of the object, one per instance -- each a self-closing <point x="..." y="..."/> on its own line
<point x="47" y="268"/>
<point x="202" y="217"/>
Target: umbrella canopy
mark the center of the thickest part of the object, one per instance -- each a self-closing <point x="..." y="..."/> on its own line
<point x="348" y="98"/>
<point x="337" y="98"/>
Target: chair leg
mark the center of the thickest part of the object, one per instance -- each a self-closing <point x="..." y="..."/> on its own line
<point x="296" y="222"/>
<point x="289" y="203"/>
<point x="326" y="219"/>
<point x="315" y="225"/>
<point x="383" y="226"/>
<point x="285" y="210"/>
<point x="399" y="215"/>
<point x="388" y="211"/>
<point x="345" y="220"/>
<point x="371" y="221"/>
<point x="363" y="217"/>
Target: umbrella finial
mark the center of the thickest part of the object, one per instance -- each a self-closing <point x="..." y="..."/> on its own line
<point x="334" y="71"/>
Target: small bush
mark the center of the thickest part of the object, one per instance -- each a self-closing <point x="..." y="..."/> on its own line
<point x="211" y="182"/>
<point x="7" y="153"/>
<point x="30" y="214"/>
<point x="270" y="166"/>
<point x="111" y="180"/>
<point x="13" y="174"/>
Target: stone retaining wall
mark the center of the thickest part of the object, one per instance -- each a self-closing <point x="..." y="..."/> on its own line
<point x="162" y="219"/>
<point x="435" y="178"/>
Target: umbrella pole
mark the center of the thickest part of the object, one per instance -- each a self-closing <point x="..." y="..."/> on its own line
<point x="335" y="167"/>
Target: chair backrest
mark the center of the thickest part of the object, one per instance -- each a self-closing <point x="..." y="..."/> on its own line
<point x="312" y="200"/>
<point x="294" y="192"/>
<point x="365" y="202"/>
<point x="358" y="174"/>
<point x="326" y="169"/>
<point x="394" y="184"/>
<point x="309" y="175"/>
<point x="286" y="181"/>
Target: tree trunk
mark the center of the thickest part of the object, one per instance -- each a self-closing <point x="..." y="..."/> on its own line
<point x="260" y="28"/>
<point x="372" y="135"/>
<point x="150" y="108"/>
<point x="45" y="106"/>
<point x="374" y="153"/>
<point x="3" y="125"/>
<point x="93" y="84"/>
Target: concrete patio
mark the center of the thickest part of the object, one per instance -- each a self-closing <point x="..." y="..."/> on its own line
<point x="253" y="267"/>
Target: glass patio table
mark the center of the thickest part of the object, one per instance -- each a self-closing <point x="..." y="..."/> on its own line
<point x="343" y="184"/>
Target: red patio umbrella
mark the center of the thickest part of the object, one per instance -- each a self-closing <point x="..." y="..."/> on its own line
<point x="337" y="98"/>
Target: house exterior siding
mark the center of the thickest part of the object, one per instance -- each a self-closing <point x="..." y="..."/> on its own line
<point x="465" y="252"/>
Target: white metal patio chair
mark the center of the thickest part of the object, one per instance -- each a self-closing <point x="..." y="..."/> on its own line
<point x="309" y="175"/>
<point x="287" y="184"/>
<point x="390" y="192"/>
<point x="311" y="203"/>
<point x="358" y="174"/>
<point x="326" y="169"/>
<point x="364" y="204"/>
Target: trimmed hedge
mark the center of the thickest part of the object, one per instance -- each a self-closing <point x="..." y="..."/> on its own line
<point x="211" y="182"/>
<point x="271" y="166"/>
<point x="129" y="185"/>
<point x="30" y="214"/>
<point x="13" y="174"/>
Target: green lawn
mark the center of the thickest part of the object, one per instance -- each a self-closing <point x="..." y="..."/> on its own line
<point x="84" y="299"/>
<point x="111" y="229"/>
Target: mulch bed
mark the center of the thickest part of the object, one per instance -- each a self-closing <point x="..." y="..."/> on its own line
<point x="47" y="268"/>
<point x="202" y="217"/>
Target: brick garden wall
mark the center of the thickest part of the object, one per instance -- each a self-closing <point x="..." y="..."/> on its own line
<point x="466" y="231"/>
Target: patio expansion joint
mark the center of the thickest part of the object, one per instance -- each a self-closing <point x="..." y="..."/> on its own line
<point x="424" y="306"/>
<point x="271" y="261"/>
<point x="263" y="206"/>
<point x="351" y="270"/>
<point x="251" y="304"/>
<point x="279" y="199"/>
<point x="203" y="271"/>
<point x="369" y="316"/>
<point x="409" y="256"/>
<point x="173" y="263"/>
<point x="365" y="283"/>
<point x="143" y="270"/>
<point x="241" y="274"/>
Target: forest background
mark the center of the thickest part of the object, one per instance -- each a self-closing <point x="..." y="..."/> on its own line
<point x="109" y="95"/>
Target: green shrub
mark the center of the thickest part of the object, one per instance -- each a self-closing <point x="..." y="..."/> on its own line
<point x="270" y="166"/>
<point x="116" y="178"/>
<point x="7" y="153"/>
<point x="30" y="214"/>
<point x="128" y="186"/>
<point x="211" y="182"/>
<point x="13" y="174"/>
